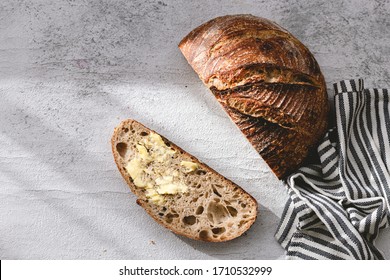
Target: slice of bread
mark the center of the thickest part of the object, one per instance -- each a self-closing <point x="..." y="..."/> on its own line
<point x="177" y="190"/>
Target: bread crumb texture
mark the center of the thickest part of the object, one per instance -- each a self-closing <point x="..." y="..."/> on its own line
<point x="177" y="190"/>
<point x="152" y="168"/>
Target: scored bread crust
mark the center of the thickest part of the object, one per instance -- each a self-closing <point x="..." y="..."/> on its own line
<point x="214" y="209"/>
<point x="267" y="81"/>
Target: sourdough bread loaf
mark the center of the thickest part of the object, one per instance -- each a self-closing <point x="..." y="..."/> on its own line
<point x="177" y="190"/>
<point x="267" y="81"/>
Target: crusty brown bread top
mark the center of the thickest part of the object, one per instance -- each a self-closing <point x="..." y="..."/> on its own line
<point x="268" y="82"/>
<point x="177" y="190"/>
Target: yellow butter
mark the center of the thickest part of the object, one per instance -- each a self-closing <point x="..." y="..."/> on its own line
<point x="134" y="168"/>
<point x="143" y="152"/>
<point x="140" y="182"/>
<point x="164" y="180"/>
<point x="154" y="196"/>
<point x="172" y="188"/>
<point x="189" y="166"/>
<point x="154" y="137"/>
<point x="151" y="168"/>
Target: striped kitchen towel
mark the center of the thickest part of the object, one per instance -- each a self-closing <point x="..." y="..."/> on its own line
<point x="337" y="207"/>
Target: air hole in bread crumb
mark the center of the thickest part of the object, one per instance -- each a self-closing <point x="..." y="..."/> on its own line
<point x="217" y="213"/>
<point x="218" y="230"/>
<point x="217" y="200"/>
<point x="126" y="129"/>
<point x="204" y="234"/>
<point x="199" y="210"/>
<point x="241" y="223"/>
<point x="243" y="205"/>
<point x="227" y="202"/>
<point x="232" y="211"/>
<point x="169" y="217"/>
<point x="216" y="192"/>
<point x="121" y="148"/>
<point x="143" y="133"/>
<point x="195" y="199"/>
<point x="200" y="172"/>
<point x="189" y="220"/>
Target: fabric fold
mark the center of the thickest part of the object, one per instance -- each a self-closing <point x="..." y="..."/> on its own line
<point x="337" y="207"/>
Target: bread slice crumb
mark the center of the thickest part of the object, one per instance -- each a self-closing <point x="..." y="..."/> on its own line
<point x="177" y="190"/>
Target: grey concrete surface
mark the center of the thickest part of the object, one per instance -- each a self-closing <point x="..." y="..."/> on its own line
<point x="71" y="70"/>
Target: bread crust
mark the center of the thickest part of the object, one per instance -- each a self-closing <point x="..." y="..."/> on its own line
<point x="268" y="82"/>
<point x="154" y="210"/>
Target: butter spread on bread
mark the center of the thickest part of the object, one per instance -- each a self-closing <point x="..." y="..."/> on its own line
<point x="177" y="190"/>
<point x="151" y="168"/>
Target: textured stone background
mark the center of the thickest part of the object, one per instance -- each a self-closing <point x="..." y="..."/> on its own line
<point x="71" y="70"/>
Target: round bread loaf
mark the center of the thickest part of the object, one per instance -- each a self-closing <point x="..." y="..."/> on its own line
<point x="268" y="82"/>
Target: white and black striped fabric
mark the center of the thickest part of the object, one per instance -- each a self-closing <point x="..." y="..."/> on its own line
<point x="337" y="207"/>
